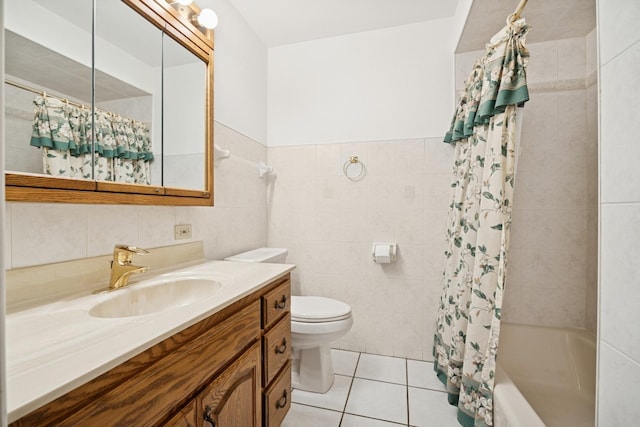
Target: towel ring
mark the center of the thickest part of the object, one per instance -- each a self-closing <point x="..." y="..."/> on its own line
<point x="352" y="164"/>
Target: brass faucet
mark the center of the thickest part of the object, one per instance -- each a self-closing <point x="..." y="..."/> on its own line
<point x="121" y="267"/>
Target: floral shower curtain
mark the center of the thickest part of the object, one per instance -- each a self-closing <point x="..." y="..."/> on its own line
<point x="485" y="132"/>
<point x="64" y="132"/>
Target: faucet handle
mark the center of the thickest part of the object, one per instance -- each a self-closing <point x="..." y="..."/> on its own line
<point x="130" y="249"/>
<point x="123" y="254"/>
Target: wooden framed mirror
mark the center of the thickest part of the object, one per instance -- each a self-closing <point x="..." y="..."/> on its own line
<point x="108" y="102"/>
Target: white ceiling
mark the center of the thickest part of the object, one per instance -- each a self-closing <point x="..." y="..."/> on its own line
<point x="279" y="22"/>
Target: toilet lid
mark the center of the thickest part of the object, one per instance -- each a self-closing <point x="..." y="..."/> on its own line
<point x="318" y="309"/>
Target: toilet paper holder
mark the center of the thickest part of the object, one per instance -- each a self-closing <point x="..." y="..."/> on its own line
<point x="384" y="253"/>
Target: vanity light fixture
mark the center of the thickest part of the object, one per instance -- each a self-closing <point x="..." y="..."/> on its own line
<point x="180" y="2"/>
<point x="207" y="18"/>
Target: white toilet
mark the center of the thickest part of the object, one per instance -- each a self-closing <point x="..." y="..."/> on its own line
<point x="315" y="323"/>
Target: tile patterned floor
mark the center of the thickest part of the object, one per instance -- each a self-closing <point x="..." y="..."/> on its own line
<point x="375" y="391"/>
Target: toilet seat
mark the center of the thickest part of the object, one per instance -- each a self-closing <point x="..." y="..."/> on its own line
<point x="311" y="309"/>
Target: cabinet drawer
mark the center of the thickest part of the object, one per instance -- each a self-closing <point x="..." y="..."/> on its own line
<point x="277" y="398"/>
<point x="275" y="303"/>
<point x="276" y="348"/>
<point x="185" y="418"/>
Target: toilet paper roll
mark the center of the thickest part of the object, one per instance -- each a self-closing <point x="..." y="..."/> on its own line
<point x="382" y="254"/>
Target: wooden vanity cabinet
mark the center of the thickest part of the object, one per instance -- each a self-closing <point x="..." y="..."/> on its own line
<point x="219" y="371"/>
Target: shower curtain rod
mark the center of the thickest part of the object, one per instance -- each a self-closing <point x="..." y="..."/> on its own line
<point x="516" y="14"/>
<point x="65" y="100"/>
<point x="43" y="93"/>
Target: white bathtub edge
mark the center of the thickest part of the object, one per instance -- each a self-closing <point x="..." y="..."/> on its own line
<point x="510" y="404"/>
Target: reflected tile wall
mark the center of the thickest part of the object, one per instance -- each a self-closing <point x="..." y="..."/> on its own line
<point x="329" y="224"/>
<point x="552" y="276"/>
<point x="619" y="361"/>
<point x="19" y="155"/>
<point x="39" y="233"/>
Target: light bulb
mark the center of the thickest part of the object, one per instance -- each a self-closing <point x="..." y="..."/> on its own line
<point x="207" y="19"/>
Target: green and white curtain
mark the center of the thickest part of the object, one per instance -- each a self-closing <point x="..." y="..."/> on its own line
<point x="64" y="132"/>
<point x="485" y="131"/>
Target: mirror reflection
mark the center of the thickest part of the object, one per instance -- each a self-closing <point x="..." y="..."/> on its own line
<point x="184" y="119"/>
<point x="127" y="117"/>
<point x="40" y="63"/>
<point x="144" y="122"/>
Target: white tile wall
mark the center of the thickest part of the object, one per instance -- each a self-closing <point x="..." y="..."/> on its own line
<point x="619" y="361"/>
<point x="330" y="223"/>
<point x="45" y="233"/>
<point x="620" y="271"/>
<point x="571" y="58"/>
<point x="619" y="105"/>
<point x="551" y="277"/>
<point x="617" y="387"/>
<point x="543" y="64"/>
<point x="108" y="225"/>
<point x="617" y="20"/>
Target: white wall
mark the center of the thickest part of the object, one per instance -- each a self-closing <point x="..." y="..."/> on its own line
<point x="240" y="73"/>
<point x="394" y="83"/>
<point x="619" y="339"/>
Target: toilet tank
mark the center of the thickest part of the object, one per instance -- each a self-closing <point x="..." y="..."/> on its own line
<point x="274" y="255"/>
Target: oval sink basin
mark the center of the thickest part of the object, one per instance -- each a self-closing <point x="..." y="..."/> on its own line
<point x="136" y="301"/>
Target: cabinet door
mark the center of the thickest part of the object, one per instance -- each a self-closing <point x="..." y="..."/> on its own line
<point x="185" y="418"/>
<point x="233" y="397"/>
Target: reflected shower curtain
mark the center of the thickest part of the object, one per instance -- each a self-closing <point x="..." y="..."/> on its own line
<point x="64" y="132"/>
<point x="61" y="131"/>
<point x="485" y="132"/>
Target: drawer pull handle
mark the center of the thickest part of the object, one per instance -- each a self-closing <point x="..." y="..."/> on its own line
<point x="282" y="402"/>
<point x="282" y="303"/>
<point x="207" y="416"/>
<point x="282" y="347"/>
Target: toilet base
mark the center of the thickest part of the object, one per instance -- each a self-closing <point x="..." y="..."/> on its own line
<point x="312" y="369"/>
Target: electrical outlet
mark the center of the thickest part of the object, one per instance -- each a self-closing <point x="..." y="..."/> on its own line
<point x="182" y="231"/>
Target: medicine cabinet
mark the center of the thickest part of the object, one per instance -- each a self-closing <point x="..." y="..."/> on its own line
<point x="108" y="101"/>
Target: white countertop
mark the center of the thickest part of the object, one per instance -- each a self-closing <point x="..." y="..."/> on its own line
<point x="54" y="348"/>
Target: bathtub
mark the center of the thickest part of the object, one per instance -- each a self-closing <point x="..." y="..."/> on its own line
<point x="545" y="377"/>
